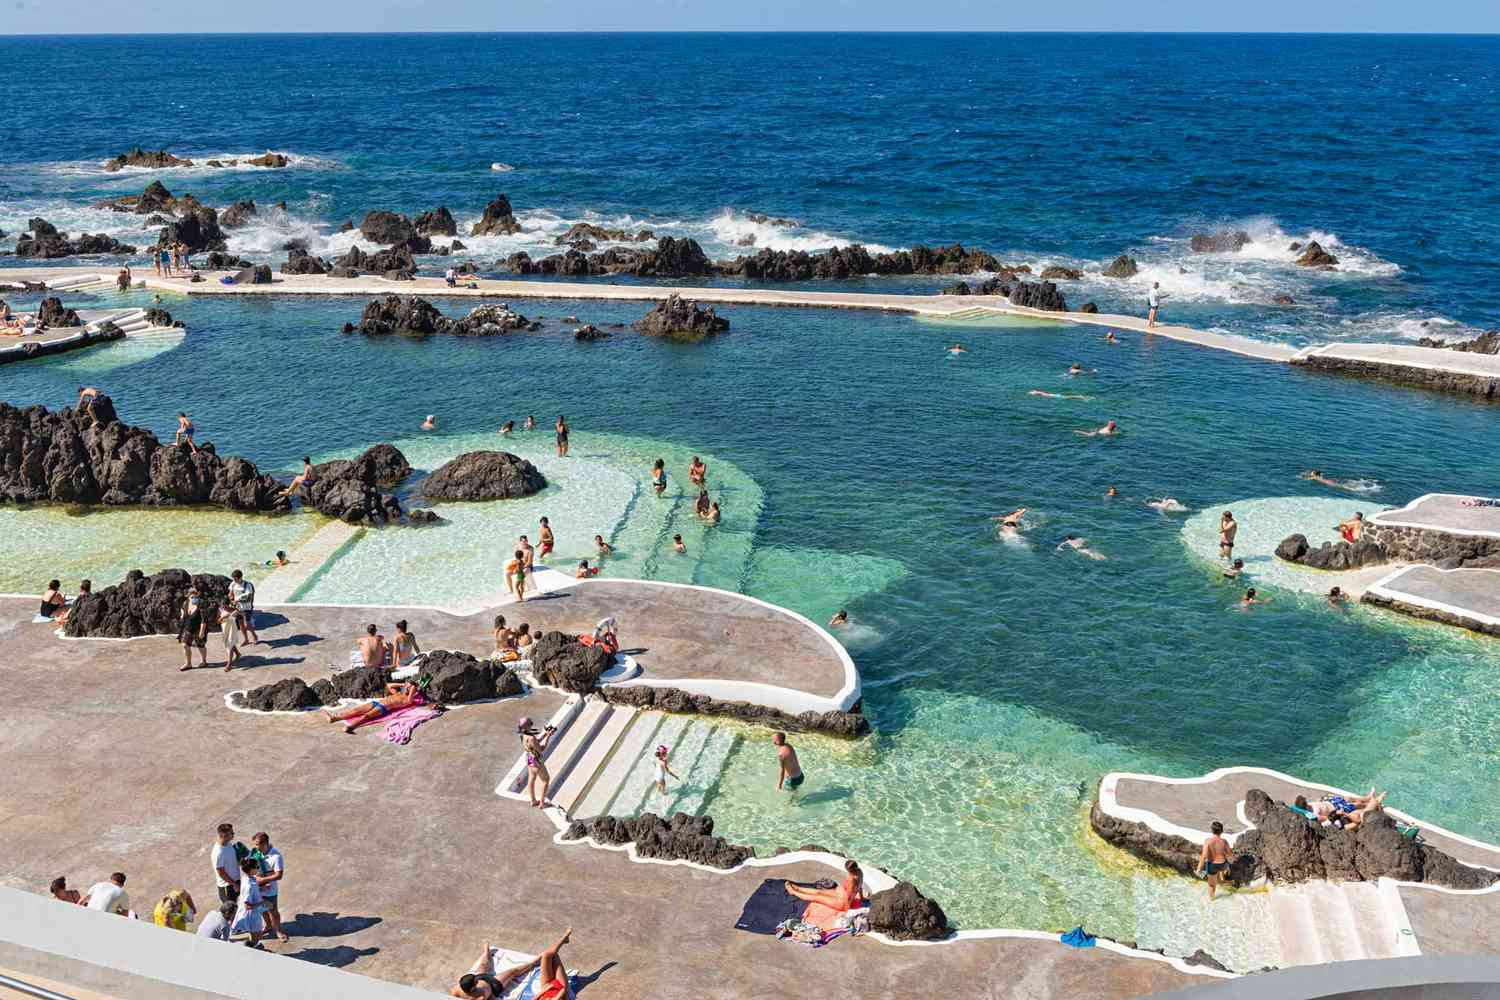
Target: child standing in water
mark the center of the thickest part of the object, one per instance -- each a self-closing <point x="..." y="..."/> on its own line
<point x="663" y="769"/>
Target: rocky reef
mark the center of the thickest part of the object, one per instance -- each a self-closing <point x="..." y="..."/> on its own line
<point x="1285" y="847"/>
<point x="1030" y="294"/>
<point x="454" y="678"/>
<point x="1123" y="266"/>
<point x="498" y="219"/>
<point x="1223" y="241"/>
<point x="670" y="699"/>
<point x="1332" y="555"/>
<point x="349" y="489"/>
<point x="90" y="456"/>
<point x="559" y="660"/>
<point x="417" y="318"/>
<point x="154" y="159"/>
<point x="1313" y="255"/>
<point x="683" y="838"/>
<point x="484" y="475"/>
<point x="43" y="241"/>
<point x="193" y="223"/>
<point x="680" y="319"/>
<point x="1486" y="343"/>
<point x="142" y="605"/>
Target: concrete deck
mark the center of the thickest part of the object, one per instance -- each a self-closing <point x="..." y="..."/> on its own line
<point x="1443" y="512"/>
<point x="1468" y="598"/>
<point x="401" y="862"/>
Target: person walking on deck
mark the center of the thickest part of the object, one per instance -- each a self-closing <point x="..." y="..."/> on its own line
<point x="1153" y="303"/>
<point x="1213" y="860"/>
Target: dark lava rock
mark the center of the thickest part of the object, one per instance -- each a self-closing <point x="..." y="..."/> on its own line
<point x="423" y="516"/>
<point x="518" y="263"/>
<point x="1089" y="307"/>
<point x="44" y="242"/>
<point x="359" y="683"/>
<point x="587" y="231"/>
<point x="589" y="331"/>
<point x="683" y="838"/>
<point x="1332" y="555"/>
<point x="238" y="214"/>
<point x="1220" y="242"/>
<point x="160" y="317"/>
<point x="855" y="261"/>
<point x="409" y="317"/>
<point x="1314" y="255"/>
<point x="666" y="699"/>
<point x="143" y="605"/>
<point x="348" y="490"/>
<point x="1121" y="267"/>
<point x="767" y="220"/>
<point x="387" y="227"/>
<point x="459" y="677"/>
<point x="218" y="261"/>
<point x="381" y="465"/>
<point x="1203" y="958"/>
<point x="289" y="695"/>
<point x="674" y="257"/>
<point x="488" y="321"/>
<point x="905" y="914"/>
<point x="1057" y="272"/>
<point x="679" y="319"/>
<point x="295" y="244"/>
<point x="254" y="274"/>
<point x="484" y="475"/>
<point x="268" y="159"/>
<point x="1038" y="295"/>
<point x="302" y="262"/>
<point x="498" y="219"/>
<point x="347" y="226"/>
<point x="197" y="226"/>
<point x="50" y="313"/>
<point x="559" y="660"/>
<point x="1486" y="343"/>
<point x="458" y="245"/>
<point x="154" y="199"/>
<point x="138" y="157"/>
<point x="957" y="288"/>
<point x="41" y="227"/>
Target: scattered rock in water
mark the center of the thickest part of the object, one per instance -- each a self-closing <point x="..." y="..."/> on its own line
<point x="1059" y="273"/>
<point x="409" y="317"/>
<point x="1294" y="247"/>
<point x="768" y="220"/>
<point x="1223" y="241"/>
<point x="387" y="227"/>
<point x="423" y="516"/>
<point x="155" y="160"/>
<point x="1486" y="343"/>
<point x="957" y="288"/>
<point x="44" y="242"/>
<point x="197" y="226"/>
<point x="50" y="313"/>
<point x="559" y="660"/>
<point x="350" y="489"/>
<point x="219" y="261"/>
<point x="1332" y="555"/>
<point x="1123" y="266"/>
<point x="587" y="231"/>
<point x="159" y="317"/>
<point x="488" y="321"/>
<point x="483" y="475"/>
<point x="683" y="838"/>
<point x="143" y="605"/>
<point x="154" y="199"/>
<point x="1089" y="307"/>
<point x="589" y="331"/>
<point x="903" y="913"/>
<point x="438" y="222"/>
<point x="498" y="219"/>
<point x="301" y="262"/>
<point x="1314" y="255"/>
<point x="682" y="320"/>
<point x="238" y="214"/>
<point x="347" y="226"/>
<point x="268" y="159"/>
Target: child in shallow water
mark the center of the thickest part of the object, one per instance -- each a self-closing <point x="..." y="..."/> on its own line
<point x="663" y="769"/>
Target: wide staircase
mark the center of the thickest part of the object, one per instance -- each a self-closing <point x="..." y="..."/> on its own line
<point x="1272" y="925"/>
<point x="602" y="761"/>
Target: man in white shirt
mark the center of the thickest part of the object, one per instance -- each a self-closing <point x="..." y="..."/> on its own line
<point x="1153" y="303"/>
<point x="272" y="867"/>
<point x="226" y="864"/>
<point x="109" y="897"/>
<point x="216" y="925"/>
<point x="242" y="593"/>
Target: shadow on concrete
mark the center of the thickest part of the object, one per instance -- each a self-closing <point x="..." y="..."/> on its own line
<point x="336" y="957"/>
<point x="580" y="982"/>
<point x="324" y="924"/>
<point x="300" y="639"/>
<point x="245" y="662"/>
<point x="269" y="619"/>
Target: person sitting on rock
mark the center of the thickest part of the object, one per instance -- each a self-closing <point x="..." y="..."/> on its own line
<point x="1346" y="812"/>
<point x="397" y="696"/>
<point x="306" y="478"/>
<point x="1353" y="529"/>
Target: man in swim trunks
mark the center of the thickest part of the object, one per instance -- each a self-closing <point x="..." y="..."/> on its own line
<point x="524" y="544"/>
<point x="1214" y="859"/>
<point x="546" y="538"/>
<point x="1354" y="528"/>
<point x="790" y="776"/>
<point x="397" y="696"/>
<point x="1228" y="528"/>
<point x="372" y="647"/>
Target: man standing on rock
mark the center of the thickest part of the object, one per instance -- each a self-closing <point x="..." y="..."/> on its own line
<point x="1214" y="859"/>
<point x="790" y="776"/>
<point x="1153" y="303"/>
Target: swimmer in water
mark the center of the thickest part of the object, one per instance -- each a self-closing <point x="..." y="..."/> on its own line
<point x="1111" y="493"/>
<point x="1110" y="338"/>
<point x="530" y="423"/>
<point x="1013" y="519"/>
<point x="430" y="424"/>
<point x="1057" y="395"/>
<point x="1250" y="599"/>
<point x="956" y="350"/>
<point x="1110" y="429"/>
<point x="280" y="559"/>
<point x="602" y="547"/>
<point x="678" y="545"/>
<point x="507" y="427"/>
<point x="1233" y="572"/>
<point x="1167" y="505"/>
<point x="1079" y="545"/>
<point x="1337" y="599"/>
<point x="1076" y="369"/>
<point x="839" y="620"/>
<point x="1351" y="485"/>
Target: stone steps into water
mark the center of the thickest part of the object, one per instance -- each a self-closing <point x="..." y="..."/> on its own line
<point x="1321" y="922"/>
<point x="636" y="787"/>
<point x="697" y="783"/>
<point x="1237" y="928"/>
<point x="637" y="742"/>
<point x="571" y="789"/>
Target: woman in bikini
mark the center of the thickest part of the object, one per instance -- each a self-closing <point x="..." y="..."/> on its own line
<point x="54" y="604"/>
<point x="535" y="745"/>
<point x="825" y="905"/>
<point x="1354" y="528"/>
<point x="503" y="638"/>
<point x="562" y="436"/>
<point x="405" y="645"/>
<point x="396" y="696"/>
<point x="701" y="506"/>
<point x="659" y="477"/>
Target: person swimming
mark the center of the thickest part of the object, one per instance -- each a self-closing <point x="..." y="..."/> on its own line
<point x="1057" y="395"/>
<point x="1337" y="599"/>
<point x="839" y="619"/>
<point x="530" y="423"/>
<point x="678" y="546"/>
<point x="430" y="424"/>
<point x="1251" y="599"/>
<point x="1076" y="369"/>
<point x="280" y="559"/>
<point x="1110" y="429"/>
<point x="1349" y="485"/>
<point x="1111" y="493"/>
<point x="1168" y="505"/>
<point x="1079" y="545"/>
<point x="956" y="350"/>
<point x="1234" y="571"/>
<point x="603" y="547"/>
<point x="1110" y="338"/>
<point x="507" y="428"/>
<point x="1013" y="519"/>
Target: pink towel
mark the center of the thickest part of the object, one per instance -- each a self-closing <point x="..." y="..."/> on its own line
<point x="400" y="723"/>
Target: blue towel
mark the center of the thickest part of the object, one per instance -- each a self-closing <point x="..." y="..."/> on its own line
<point x="1078" y="938"/>
<point x="1342" y="804"/>
<point x="769" y="905"/>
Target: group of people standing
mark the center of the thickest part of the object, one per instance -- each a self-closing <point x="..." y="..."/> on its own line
<point x="172" y="260"/>
<point x="233" y="618"/>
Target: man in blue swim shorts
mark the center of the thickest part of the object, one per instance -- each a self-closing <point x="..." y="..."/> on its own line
<point x="791" y="776"/>
<point x="1213" y="860"/>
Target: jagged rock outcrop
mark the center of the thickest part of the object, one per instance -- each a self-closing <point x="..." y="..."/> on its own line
<point x="1038" y="295"/>
<point x="1486" y="343"/>
<point x="589" y="332"/>
<point x="397" y="259"/>
<point x="674" y="257"/>
<point x="518" y="263"/>
<point x="1123" y="266"/>
<point x="489" y="321"/>
<point x="51" y="313"/>
<point x="218" y="261"/>
<point x="1167" y="850"/>
<point x="1089" y="307"/>
<point x="559" y="660"/>
<point x="498" y="219"/>
<point x="302" y="262"/>
<point x="387" y="227"/>
<point x="669" y="699"/>
<point x="683" y="838"/>
<point x="1313" y="255"/>
<point x="1223" y="241"/>
<point x="44" y="242"/>
<point x="438" y="222"/>
<point x="483" y="475"/>
<point x="855" y="261"/>
<point x="197" y="226"/>
<point x="409" y="317"/>
<point x="93" y="457"/>
<point x="586" y="231"/>
<point x="157" y="316"/>
<point x="359" y="683"/>
<point x="238" y="214"/>
<point x="268" y="159"/>
<point x="289" y="695"/>
<point x="153" y="200"/>
<point x="903" y="913"/>
<point x="680" y="319"/>
<point x="350" y="489"/>
<point x="459" y="677"/>
<point x="1059" y="273"/>
<point x="153" y="159"/>
<point x="1332" y="555"/>
<point x="143" y="605"/>
<point x="768" y="220"/>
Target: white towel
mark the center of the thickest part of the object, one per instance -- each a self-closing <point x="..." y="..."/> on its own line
<point x="526" y="987"/>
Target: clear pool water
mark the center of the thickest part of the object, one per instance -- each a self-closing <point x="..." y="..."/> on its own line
<point x="861" y="467"/>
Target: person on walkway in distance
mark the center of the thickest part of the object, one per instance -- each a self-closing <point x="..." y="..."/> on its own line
<point x="242" y="593"/>
<point x="1214" y="859"/>
<point x="218" y="923"/>
<point x="790" y="776"/>
<point x="109" y="897"/>
<point x="272" y="869"/>
<point x="194" y="631"/>
<point x="1153" y="303"/>
<point x="225" y="860"/>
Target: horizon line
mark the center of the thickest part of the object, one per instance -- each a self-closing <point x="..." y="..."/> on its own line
<point x="760" y="31"/>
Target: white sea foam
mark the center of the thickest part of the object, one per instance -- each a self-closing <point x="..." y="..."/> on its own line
<point x="501" y="167"/>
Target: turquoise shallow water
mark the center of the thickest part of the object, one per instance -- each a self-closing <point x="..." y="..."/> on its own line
<point x="861" y="466"/>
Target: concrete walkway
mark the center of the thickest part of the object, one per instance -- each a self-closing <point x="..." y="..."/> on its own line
<point x="401" y="862"/>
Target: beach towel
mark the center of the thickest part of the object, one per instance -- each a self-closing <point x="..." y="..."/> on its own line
<point x="1078" y="938"/>
<point x="526" y="987"/>
<point x="400" y="723"/>
<point x="769" y="907"/>
<point x="1304" y="813"/>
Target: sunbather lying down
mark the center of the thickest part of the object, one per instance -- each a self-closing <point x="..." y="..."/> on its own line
<point x="1338" y="810"/>
<point x="396" y="696"/>
<point x="484" y="981"/>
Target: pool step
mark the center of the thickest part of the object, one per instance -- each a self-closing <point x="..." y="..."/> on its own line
<point x="1320" y="922"/>
<point x="695" y="785"/>
<point x="1237" y="928"/>
<point x="637" y="742"/>
<point x="570" y="790"/>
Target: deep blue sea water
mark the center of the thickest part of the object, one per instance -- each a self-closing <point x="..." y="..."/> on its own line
<point x="1003" y="679"/>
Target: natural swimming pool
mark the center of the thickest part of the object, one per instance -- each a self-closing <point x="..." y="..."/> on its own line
<point x="860" y="466"/>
